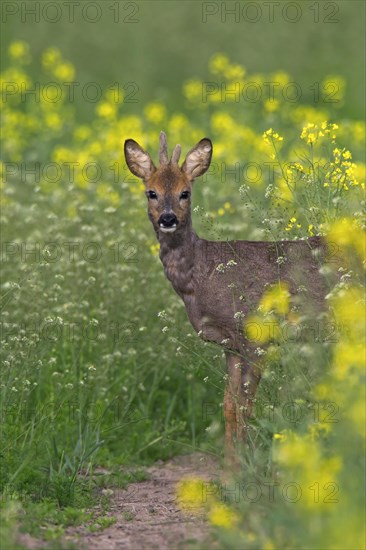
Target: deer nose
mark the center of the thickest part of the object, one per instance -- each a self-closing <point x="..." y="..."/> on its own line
<point x="168" y="219"/>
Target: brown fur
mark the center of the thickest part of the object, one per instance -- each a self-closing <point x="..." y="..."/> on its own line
<point x="216" y="302"/>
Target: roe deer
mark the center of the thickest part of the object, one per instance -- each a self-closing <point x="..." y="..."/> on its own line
<point x="217" y="301"/>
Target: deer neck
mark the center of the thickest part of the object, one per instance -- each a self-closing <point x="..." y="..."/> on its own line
<point x="177" y="257"/>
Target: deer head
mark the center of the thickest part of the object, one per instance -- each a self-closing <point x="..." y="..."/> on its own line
<point x="168" y="187"/>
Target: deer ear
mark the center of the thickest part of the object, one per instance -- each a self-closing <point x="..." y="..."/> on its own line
<point x="198" y="159"/>
<point x="138" y="161"/>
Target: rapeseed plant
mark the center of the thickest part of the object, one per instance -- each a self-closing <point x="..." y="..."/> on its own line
<point x="88" y="376"/>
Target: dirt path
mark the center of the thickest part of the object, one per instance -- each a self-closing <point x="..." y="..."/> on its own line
<point x="148" y="515"/>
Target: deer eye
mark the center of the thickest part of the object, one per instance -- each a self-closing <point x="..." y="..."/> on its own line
<point x="152" y="195"/>
<point x="184" y="195"/>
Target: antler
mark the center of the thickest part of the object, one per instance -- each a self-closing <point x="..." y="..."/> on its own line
<point x="163" y="151"/>
<point x="176" y="154"/>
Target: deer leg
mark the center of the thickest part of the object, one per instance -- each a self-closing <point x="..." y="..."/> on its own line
<point x="230" y="412"/>
<point x="250" y="378"/>
<point x="230" y="427"/>
<point x="243" y="381"/>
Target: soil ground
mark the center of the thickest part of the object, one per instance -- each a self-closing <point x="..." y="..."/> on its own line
<point x="148" y="514"/>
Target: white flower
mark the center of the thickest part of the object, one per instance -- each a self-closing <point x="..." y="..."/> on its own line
<point x="239" y="315"/>
<point x="281" y="260"/>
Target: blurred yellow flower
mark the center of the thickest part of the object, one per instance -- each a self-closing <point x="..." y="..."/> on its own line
<point x="221" y="121"/>
<point x="154" y="249"/>
<point x="218" y="63"/>
<point x="192" y="90"/>
<point x="53" y="120"/>
<point x="271" y="105"/>
<point x="65" y="71"/>
<point x="221" y="515"/>
<point x="51" y="57"/>
<point x="177" y="123"/>
<point x="348" y="235"/>
<point x="260" y="329"/>
<point x="281" y="78"/>
<point x="190" y="492"/>
<point x="82" y="133"/>
<point x="276" y="299"/>
<point x="106" y="110"/>
<point x="19" y="51"/>
<point x="234" y="72"/>
<point x="155" y="112"/>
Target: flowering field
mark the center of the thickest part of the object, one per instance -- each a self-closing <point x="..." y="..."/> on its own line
<point x="100" y="365"/>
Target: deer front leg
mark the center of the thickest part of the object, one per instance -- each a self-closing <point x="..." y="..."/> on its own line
<point x="230" y="428"/>
<point x="231" y="410"/>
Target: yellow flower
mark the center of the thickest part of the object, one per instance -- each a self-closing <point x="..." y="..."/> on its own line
<point x="222" y="122"/>
<point x="154" y="249"/>
<point x="277" y="299"/>
<point x="64" y="71"/>
<point x="220" y="515"/>
<point x="177" y="123"/>
<point x="261" y="329"/>
<point x="19" y="51"/>
<point x="50" y="57"/>
<point x="270" y="137"/>
<point x="53" y="120"/>
<point x="292" y="223"/>
<point x="155" y="112"/>
<point x="358" y="128"/>
<point x="192" y="90"/>
<point x="346" y="234"/>
<point x="281" y="78"/>
<point x="190" y="492"/>
<point x="271" y="105"/>
<point x="218" y="63"/>
<point x="234" y="72"/>
<point x="106" y="110"/>
<point x="82" y="133"/>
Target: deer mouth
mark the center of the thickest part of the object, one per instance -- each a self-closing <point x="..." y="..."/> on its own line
<point x="168" y="229"/>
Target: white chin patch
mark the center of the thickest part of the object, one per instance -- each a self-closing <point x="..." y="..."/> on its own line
<point x="168" y="229"/>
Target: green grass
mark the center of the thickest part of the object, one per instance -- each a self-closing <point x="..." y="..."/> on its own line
<point x="101" y="366"/>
